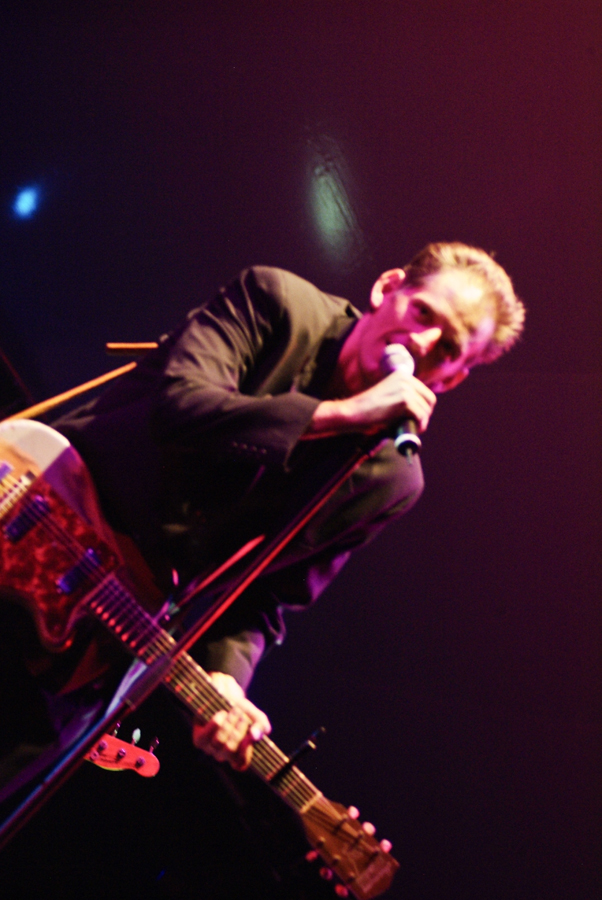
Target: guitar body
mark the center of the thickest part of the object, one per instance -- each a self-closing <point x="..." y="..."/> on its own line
<point x="59" y="499"/>
<point x="30" y="569"/>
<point x="61" y="561"/>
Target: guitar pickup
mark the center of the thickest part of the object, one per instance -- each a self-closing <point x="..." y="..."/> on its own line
<point x="33" y="512"/>
<point x="74" y="577"/>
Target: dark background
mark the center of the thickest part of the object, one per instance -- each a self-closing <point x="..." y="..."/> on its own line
<point x="456" y="662"/>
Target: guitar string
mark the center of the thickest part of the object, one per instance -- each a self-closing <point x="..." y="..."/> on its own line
<point x="138" y="632"/>
<point x="148" y="636"/>
<point x="189" y="681"/>
<point x="145" y="630"/>
<point x="205" y="701"/>
<point x="203" y="696"/>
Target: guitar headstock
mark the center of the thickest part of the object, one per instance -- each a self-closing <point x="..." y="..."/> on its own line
<point x="116" y="755"/>
<point x="361" y="864"/>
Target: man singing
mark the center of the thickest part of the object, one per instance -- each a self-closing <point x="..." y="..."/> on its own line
<point x="241" y="411"/>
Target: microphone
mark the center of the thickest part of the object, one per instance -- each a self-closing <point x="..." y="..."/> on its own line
<point x="396" y="358"/>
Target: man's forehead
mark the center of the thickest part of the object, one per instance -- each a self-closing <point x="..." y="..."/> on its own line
<point x="460" y="298"/>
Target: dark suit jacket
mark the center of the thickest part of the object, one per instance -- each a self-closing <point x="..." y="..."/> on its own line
<point x="197" y="450"/>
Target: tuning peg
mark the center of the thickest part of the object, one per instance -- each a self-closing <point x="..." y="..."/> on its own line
<point x="386" y="846"/>
<point x="311" y="855"/>
<point x="353" y="812"/>
<point x="326" y="873"/>
<point x="153" y="745"/>
<point x="116" y="729"/>
<point x="136" y="735"/>
<point x="341" y="891"/>
<point x="369" y="828"/>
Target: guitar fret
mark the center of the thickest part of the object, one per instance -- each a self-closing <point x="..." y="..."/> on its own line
<point x="294" y="787"/>
<point x="188" y="678"/>
<point x="317" y="796"/>
<point x="109" y="603"/>
<point x="117" y="610"/>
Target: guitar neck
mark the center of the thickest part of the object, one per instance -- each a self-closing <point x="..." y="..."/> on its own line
<point x="117" y="609"/>
<point x="356" y="857"/>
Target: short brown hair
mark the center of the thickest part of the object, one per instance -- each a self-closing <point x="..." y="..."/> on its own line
<point x="508" y="309"/>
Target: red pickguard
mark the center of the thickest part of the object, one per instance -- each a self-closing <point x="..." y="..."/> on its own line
<point x="31" y="567"/>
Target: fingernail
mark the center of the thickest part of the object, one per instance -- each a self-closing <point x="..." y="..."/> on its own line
<point x="256" y="732"/>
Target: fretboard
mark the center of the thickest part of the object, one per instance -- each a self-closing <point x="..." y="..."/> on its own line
<point x="119" y="612"/>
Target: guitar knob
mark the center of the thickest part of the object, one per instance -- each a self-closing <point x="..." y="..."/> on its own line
<point x="311" y="855"/>
<point x="325" y="873"/>
<point x="341" y="891"/>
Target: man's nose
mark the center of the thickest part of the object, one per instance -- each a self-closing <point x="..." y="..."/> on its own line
<point x="422" y="342"/>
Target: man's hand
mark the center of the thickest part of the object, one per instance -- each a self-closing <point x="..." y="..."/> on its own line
<point x="229" y="736"/>
<point x="398" y="396"/>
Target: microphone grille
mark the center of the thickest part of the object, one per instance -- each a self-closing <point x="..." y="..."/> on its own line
<point x="397" y="357"/>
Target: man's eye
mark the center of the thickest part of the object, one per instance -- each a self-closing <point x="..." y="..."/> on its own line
<point x="423" y="310"/>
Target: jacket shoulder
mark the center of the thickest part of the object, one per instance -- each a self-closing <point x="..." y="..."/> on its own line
<point x="294" y="294"/>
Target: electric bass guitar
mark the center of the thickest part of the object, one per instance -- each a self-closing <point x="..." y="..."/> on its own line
<point x="61" y="561"/>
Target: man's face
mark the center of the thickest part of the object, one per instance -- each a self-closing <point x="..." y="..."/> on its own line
<point x="443" y="324"/>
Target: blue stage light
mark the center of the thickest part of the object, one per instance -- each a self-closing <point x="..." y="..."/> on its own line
<point x="26" y="202"/>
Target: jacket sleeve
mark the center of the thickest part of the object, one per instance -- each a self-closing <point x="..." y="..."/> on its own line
<point x="215" y="389"/>
<point x="384" y="487"/>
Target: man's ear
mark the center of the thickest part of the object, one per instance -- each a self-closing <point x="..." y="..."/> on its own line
<point x="389" y="281"/>
<point x="446" y="384"/>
